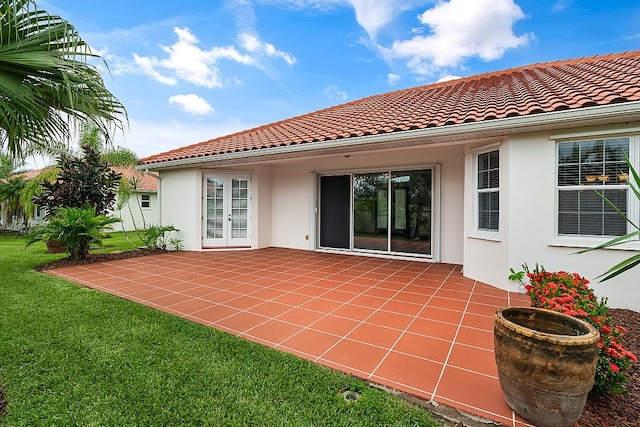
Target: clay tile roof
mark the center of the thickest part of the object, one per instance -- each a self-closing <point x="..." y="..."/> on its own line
<point x="532" y="89"/>
<point x="144" y="181"/>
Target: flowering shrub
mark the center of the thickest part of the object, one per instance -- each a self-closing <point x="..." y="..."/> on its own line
<point x="570" y="294"/>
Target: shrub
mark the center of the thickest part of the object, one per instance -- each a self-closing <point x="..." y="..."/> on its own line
<point x="157" y="236"/>
<point x="570" y="294"/>
<point x="85" y="180"/>
<point x="76" y="228"/>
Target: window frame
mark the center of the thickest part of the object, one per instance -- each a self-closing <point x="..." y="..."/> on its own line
<point x="148" y="201"/>
<point x="633" y="205"/>
<point x="489" y="233"/>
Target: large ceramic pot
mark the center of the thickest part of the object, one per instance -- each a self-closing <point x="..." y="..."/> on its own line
<point x="546" y="364"/>
<point x="55" y="246"/>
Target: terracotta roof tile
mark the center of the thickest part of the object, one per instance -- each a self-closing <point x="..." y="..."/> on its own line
<point x="144" y="181"/>
<point x="531" y="89"/>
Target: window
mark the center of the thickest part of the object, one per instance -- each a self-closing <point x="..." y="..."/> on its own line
<point x="145" y="201"/>
<point x="586" y="168"/>
<point x="488" y="190"/>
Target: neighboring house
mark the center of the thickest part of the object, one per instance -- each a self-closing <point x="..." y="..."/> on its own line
<point x="488" y="171"/>
<point x="11" y="222"/>
<point x="141" y="209"/>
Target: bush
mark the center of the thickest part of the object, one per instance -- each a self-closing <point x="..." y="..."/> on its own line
<point x="157" y="236"/>
<point x="570" y="294"/>
<point x="76" y="228"/>
<point x="85" y="180"/>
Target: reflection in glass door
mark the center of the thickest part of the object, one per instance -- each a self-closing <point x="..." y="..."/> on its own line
<point x="392" y="211"/>
<point x="225" y="211"/>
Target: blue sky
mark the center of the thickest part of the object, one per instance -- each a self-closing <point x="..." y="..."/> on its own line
<point x="193" y="70"/>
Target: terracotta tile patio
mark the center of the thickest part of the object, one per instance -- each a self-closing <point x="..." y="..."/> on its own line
<point x="418" y="327"/>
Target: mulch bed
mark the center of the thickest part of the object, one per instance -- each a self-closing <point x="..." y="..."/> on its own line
<point x="616" y="410"/>
<point x="619" y="410"/>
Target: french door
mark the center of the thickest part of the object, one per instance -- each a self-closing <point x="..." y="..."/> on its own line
<point x="225" y="211"/>
<point x="387" y="212"/>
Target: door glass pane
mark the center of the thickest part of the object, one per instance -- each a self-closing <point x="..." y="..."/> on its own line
<point x="215" y="190"/>
<point x="239" y="208"/>
<point x="335" y="211"/>
<point x="411" y="211"/>
<point x="370" y="211"/>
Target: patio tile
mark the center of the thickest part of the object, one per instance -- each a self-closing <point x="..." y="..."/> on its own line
<point x="292" y="299"/>
<point x="479" y="321"/>
<point x="190" y="306"/>
<point x="356" y="355"/>
<point x="272" y="331"/>
<point x="322" y="305"/>
<point x="335" y="325"/>
<point x="368" y="301"/>
<point x="402" y="307"/>
<point x="448" y="303"/>
<point x="270" y="308"/>
<point x="441" y="314"/>
<point x="214" y="313"/>
<point x="433" y="328"/>
<point x="353" y="312"/>
<point x="375" y="334"/>
<point x="474" y="392"/>
<point x="300" y="316"/>
<point x="166" y="298"/>
<point x="475" y="337"/>
<point x="309" y="343"/>
<point x="422" y="346"/>
<point x="473" y="359"/>
<point x="220" y="296"/>
<point x="487" y="310"/>
<point x="408" y="373"/>
<point x="390" y="320"/>
<point x="241" y="322"/>
<point x="243" y="302"/>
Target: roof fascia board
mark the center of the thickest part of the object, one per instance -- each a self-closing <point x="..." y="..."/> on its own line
<point x="488" y="126"/>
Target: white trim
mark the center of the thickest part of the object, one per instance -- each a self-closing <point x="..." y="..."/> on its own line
<point x="605" y="132"/>
<point x="522" y="124"/>
<point x="485" y="148"/>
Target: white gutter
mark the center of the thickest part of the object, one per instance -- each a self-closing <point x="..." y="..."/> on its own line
<point x="599" y="113"/>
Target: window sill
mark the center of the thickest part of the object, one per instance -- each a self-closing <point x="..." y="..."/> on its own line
<point x="587" y="243"/>
<point x="491" y="237"/>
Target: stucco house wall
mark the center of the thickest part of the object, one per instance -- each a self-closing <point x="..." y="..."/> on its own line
<point x="528" y="225"/>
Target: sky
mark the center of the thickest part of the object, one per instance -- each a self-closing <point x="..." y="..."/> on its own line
<point x="193" y="70"/>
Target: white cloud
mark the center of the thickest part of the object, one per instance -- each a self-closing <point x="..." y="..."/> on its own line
<point x="392" y="78"/>
<point x="461" y="29"/>
<point x="192" y="104"/>
<point x="560" y="5"/>
<point x="253" y="45"/>
<point x="187" y="61"/>
<point x="448" y="77"/>
<point x="333" y="92"/>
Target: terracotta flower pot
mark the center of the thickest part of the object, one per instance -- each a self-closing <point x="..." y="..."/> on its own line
<point x="55" y="246"/>
<point x="546" y="364"/>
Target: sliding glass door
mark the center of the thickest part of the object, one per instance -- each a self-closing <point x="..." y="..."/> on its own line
<point x="391" y="211"/>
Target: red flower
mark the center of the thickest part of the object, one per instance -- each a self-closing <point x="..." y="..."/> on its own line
<point x="614" y="367"/>
<point x="606" y="329"/>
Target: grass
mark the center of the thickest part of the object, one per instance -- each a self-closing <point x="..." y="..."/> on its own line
<point x="72" y="356"/>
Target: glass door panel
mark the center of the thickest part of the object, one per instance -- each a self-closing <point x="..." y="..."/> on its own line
<point x="226" y="214"/>
<point x="371" y="211"/>
<point x="411" y="211"/>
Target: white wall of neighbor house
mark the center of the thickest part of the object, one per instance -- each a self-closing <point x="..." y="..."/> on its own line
<point x="528" y="226"/>
<point x="134" y="216"/>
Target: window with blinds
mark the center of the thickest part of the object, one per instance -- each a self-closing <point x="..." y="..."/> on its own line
<point x="488" y="190"/>
<point x="586" y="168"/>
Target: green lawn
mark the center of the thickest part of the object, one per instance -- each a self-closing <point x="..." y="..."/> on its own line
<point x="71" y="356"/>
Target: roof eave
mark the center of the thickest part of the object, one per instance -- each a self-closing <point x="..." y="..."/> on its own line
<point x="613" y="113"/>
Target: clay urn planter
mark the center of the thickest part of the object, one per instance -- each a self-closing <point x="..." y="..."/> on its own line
<point x="546" y="364"/>
<point x="54" y="246"/>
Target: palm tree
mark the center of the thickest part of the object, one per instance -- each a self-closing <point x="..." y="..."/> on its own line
<point x="46" y="81"/>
